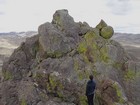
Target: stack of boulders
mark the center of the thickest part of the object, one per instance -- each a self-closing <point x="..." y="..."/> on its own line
<point x="105" y="30"/>
<point x="52" y="68"/>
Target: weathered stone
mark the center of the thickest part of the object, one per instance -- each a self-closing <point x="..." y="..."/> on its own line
<point x="53" y="42"/>
<point x="107" y="32"/>
<point x="84" y="28"/>
<point x="9" y="93"/>
<point x="131" y="80"/>
<point x="64" y="22"/>
<point x="101" y="24"/>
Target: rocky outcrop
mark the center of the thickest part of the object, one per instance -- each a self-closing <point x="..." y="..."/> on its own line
<point x="52" y="68"/>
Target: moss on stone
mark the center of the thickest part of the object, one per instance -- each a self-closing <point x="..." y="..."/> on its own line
<point x="55" y="54"/>
<point x="90" y="38"/>
<point x="95" y="73"/>
<point x="7" y="75"/>
<point x="107" y="32"/>
<point x="90" y="49"/>
<point x="104" y="54"/>
<point x="60" y="95"/>
<point x="52" y="82"/>
<point x="23" y="102"/>
<point x="130" y="75"/>
<point x="82" y="47"/>
<point x="118" y="92"/>
<point x="55" y="86"/>
<point x="81" y="75"/>
<point x="101" y="24"/>
<point x="83" y="100"/>
<point x="58" y="21"/>
<point x="85" y="58"/>
<point x="58" y="54"/>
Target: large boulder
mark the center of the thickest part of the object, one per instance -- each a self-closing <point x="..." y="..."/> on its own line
<point x="53" y="41"/>
<point x="105" y="30"/>
<point x="52" y="68"/>
<point x="101" y="24"/>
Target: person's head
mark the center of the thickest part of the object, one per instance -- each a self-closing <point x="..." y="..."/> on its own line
<point x="91" y="77"/>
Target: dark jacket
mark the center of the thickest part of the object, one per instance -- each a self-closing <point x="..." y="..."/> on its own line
<point x="90" y="87"/>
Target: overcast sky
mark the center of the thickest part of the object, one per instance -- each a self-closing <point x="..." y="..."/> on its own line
<point x="24" y="15"/>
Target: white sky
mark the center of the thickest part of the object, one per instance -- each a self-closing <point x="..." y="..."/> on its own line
<point x="25" y="15"/>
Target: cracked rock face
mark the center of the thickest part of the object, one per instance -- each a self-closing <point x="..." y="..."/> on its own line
<point x="52" y="68"/>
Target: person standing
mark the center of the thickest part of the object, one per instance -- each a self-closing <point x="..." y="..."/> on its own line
<point x="90" y="88"/>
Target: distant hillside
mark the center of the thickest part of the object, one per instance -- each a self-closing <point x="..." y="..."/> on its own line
<point x="27" y="33"/>
<point x="131" y="43"/>
<point x="10" y="41"/>
<point x="128" y="39"/>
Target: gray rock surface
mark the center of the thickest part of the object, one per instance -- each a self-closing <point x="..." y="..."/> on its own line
<point x="52" y="68"/>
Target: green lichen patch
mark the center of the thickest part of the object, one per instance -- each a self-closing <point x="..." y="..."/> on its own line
<point x="82" y="48"/>
<point x="101" y="24"/>
<point x="23" y="102"/>
<point x="118" y="92"/>
<point x="91" y="50"/>
<point x="107" y="32"/>
<point x="130" y="75"/>
<point x="55" y="86"/>
<point x="7" y="75"/>
<point x="83" y="74"/>
<point x="50" y="83"/>
<point x="58" y="20"/>
<point x="95" y="73"/>
<point x="104" y="54"/>
<point x="83" y="100"/>
<point x="55" y="54"/>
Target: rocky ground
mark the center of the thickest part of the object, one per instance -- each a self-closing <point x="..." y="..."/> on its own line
<point x="52" y="67"/>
